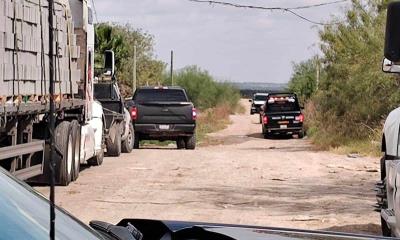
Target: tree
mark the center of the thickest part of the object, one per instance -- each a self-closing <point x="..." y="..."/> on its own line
<point x="122" y="39"/>
<point x="304" y="79"/>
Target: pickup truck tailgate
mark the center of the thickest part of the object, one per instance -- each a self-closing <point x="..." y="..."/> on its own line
<point x="164" y="113"/>
<point x="284" y="119"/>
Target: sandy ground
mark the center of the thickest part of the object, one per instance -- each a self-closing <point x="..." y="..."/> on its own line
<point x="244" y="180"/>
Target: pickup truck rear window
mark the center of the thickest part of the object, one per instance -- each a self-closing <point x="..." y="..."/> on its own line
<point x="283" y="107"/>
<point x="282" y="103"/>
<point x="160" y="95"/>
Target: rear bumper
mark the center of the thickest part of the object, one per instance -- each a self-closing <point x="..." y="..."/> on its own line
<point x="153" y="131"/>
<point x="289" y="130"/>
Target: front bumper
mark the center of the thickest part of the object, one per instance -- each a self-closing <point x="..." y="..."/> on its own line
<point x="255" y="109"/>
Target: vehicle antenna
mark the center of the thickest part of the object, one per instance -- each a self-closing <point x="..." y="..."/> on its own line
<point x="52" y="123"/>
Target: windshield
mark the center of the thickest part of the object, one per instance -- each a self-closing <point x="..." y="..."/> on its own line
<point x="160" y="95"/>
<point x="25" y="215"/>
<point x="260" y="98"/>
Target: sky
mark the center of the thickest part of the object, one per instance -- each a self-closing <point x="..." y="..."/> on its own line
<point x="239" y="45"/>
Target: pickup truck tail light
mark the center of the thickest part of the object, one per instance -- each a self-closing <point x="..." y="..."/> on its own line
<point x="194" y="113"/>
<point x="300" y="118"/>
<point x="134" y="113"/>
<point x="265" y="119"/>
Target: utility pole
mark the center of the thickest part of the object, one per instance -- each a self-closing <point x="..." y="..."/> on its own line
<point x="172" y="68"/>
<point x="318" y="72"/>
<point x="134" y="69"/>
<point x="52" y="123"/>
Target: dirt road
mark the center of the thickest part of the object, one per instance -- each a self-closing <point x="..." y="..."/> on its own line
<point x="245" y="180"/>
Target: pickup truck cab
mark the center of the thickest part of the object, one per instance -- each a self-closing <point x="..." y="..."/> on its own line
<point x="282" y="115"/>
<point x="163" y="113"/>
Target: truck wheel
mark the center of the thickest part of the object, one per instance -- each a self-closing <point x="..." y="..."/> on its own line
<point x="300" y="134"/>
<point x="190" y="142"/>
<point x="180" y="143"/>
<point x="76" y="139"/>
<point x="136" y="141"/>
<point x="97" y="160"/>
<point x="267" y="135"/>
<point x="114" y="148"/>
<point x="386" y="232"/>
<point x="127" y="145"/>
<point x="64" y="159"/>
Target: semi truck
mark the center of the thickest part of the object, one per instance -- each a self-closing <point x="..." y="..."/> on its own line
<point x="24" y="90"/>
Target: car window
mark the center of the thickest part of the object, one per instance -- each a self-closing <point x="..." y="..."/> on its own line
<point x="260" y="98"/>
<point x="160" y="95"/>
<point x="282" y="103"/>
<point x="24" y="214"/>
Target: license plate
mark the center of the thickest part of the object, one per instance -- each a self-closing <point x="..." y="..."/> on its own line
<point x="164" y="127"/>
<point x="283" y="126"/>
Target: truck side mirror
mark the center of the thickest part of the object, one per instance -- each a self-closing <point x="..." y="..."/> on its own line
<point x="392" y="36"/>
<point x="109" y="63"/>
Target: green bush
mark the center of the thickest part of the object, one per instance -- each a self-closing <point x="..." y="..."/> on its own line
<point x="203" y="90"/>
<point x="353" y="96"/>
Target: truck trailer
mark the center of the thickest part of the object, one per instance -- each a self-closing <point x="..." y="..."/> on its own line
<point x="24" y="90"/>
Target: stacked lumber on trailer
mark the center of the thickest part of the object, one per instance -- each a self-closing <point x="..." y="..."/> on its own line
<point x="24" y="48"/>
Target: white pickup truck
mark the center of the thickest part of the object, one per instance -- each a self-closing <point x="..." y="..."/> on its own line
<point x="388" y="194"/>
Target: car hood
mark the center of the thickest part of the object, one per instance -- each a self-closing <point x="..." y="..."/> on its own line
<point x="239" y="232"/>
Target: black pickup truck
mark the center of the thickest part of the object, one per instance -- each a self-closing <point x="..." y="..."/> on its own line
<point x="163" y="113"/>
<point x="282" y="115"/>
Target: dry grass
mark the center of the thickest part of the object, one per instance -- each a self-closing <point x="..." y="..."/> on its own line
<point x="212" y="120"/>
<point x="326" y="135"/>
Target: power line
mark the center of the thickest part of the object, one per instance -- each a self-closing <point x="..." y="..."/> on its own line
<point x="284" y="9"/>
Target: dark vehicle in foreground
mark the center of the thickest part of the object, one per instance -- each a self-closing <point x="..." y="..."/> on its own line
<point x="163" y="113"/>
<point x="25" y="215"/>
<point x="282" y="115"/>
<point x="257" y="102"/>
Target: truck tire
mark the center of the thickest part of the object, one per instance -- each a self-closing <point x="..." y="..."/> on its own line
<point x="190" y="142"/>
<point x="300" y="135"/>
<point x="180" y="143"/>
<point x="136" y="141"/>
<point x="386" y="232"/>
<point x="127" y="144"/>
<point x="114" y="148"/>
<point x="64" y="159"/>
<point x="97" y="160"/>
<point x="76" y="139"/>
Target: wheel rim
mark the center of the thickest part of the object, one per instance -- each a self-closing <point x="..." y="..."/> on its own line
<point x="130" y="137"/>
<point x="69" y="156"/>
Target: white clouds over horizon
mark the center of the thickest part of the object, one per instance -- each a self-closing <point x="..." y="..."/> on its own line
<point x="232" y="44"/>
